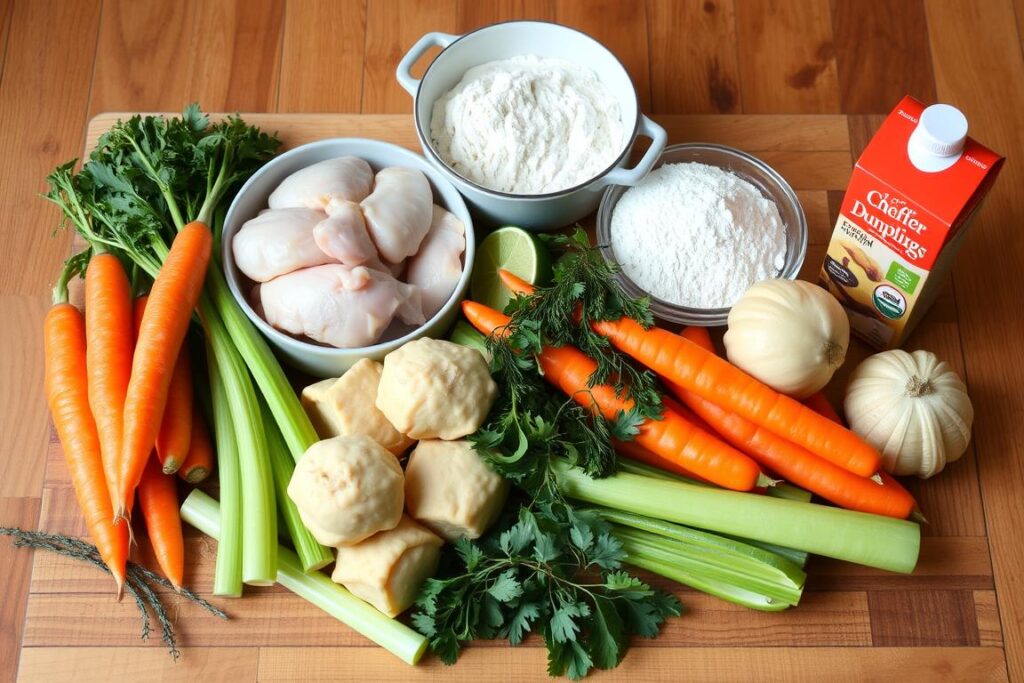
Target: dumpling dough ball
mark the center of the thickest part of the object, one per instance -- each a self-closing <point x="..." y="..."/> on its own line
<point x="434" y="389"/>
<point x="347" y="489"/>
<point x="387" y="569"/>
<point x="451" y="489"/>
<point x="345" y="406"/>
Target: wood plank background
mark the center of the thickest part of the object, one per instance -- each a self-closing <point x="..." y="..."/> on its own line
<point x="701" y="67"/>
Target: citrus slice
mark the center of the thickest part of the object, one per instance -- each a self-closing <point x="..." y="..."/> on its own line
<point x="512" y="249"/>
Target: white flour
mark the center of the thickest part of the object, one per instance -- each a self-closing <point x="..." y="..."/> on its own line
<point x="528" y="125"/>
<point x="696" y="235"/>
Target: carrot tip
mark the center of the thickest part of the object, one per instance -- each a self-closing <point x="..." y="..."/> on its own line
<point x="196" y="475"/>
<point x="172" y="465"/>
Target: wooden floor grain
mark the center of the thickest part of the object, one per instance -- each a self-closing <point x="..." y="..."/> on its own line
<point x="817" y="75"/>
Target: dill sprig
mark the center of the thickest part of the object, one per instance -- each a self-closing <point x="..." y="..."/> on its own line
<point x="139" y="580"/>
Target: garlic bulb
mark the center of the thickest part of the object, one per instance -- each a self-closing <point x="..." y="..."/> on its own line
<point x="789" y="334"/>
<point x="913" y="408"/>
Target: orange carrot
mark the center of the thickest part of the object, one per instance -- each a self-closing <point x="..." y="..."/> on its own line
<point x="820" y="404"/>
<point x="199" y="462"/>
<point x="702" y="372"/>
<point x="172" y="298"/>
<point x="172" y="443"/>
<point x="158" y="500"/>
<point x="174" y="437"/>
<point x="673" y="439"/>
<point x="634" y="451"/>
<point x="792" y="462"/>
<point x="110" y="343"/>
<point x="68" y="399"/>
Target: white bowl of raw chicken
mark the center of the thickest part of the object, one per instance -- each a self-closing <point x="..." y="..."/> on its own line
<point x="385" y="319"/>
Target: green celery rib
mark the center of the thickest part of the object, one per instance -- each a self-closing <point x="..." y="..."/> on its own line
<point x="259" y="515"/>
<point x="738" y="551"/>
<point x="780" y="490"/>
<point x="787" y="491"/>
<point x="725" y="591"/>
<point x="726" y="569"/>
<point x="645" y="470"/>
<point x="857" y="537"/>
<point x="307" y="547"/>
<point x="227" y="575"/>
<point x="297" y="430"/>
<point x="203" y="513"/>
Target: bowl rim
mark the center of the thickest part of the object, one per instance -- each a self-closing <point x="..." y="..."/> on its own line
<point x="233" y="275"/>
<point x="432" y="154"/>
<point x="686" y="314"/>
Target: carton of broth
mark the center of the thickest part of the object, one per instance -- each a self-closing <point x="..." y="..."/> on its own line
<point x="911" y="198"/>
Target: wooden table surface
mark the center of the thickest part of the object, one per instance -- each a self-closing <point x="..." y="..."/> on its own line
<point x="709" y="70"/>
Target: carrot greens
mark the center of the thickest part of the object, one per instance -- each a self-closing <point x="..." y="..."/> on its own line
<point x="147" y="179"/>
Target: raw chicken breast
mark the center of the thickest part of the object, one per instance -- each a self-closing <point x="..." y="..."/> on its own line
<point x="314" y="187"/>
<point x="437" y="266"/>
<point x="398" y="212"/>
<point x="277" y="242"/>
<point x="343" y="236"/>
<point x="337" y="305"/>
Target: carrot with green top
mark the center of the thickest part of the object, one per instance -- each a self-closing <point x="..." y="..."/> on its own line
<point x="110" y="343"/>
<point x="173" y="297"/>
<point x="677" y="442"/>
<point x="790" y="461"/>
<point x="64" y="337"/>
<point x="158" y="500"/>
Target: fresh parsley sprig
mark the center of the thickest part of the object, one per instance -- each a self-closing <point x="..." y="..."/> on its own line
<point x="555" y="571"/>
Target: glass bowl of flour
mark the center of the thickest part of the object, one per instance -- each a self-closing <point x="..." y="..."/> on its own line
<point x="704" y="225"/>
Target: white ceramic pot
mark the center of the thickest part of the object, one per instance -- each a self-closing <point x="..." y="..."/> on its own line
<point x="325" y="361"/>
<point x="511" y="39"/>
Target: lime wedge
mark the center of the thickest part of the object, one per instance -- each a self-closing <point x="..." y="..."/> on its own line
<point x="512" y="249"/>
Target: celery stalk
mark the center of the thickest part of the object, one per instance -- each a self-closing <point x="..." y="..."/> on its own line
<point x="259" y="516"/>
<point x="734" y="552"/>
<point x="870" y="540"/>
<point x="203" y="513"/>
<point x="297" y="430"/>
<point x="227" y="576"/>
<point x="740" y="596"/>
<point x="282" y="465"/>
<point x="725" y="569"/>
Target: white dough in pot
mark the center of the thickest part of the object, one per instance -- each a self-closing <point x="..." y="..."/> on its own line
<point x="346" y="489"/>
<point x="387" y="569"/>
<point x="452" y="490"/>
<point x="435" y="389"/>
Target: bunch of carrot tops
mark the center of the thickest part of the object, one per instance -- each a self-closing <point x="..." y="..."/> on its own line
<point x="149" y="202"/>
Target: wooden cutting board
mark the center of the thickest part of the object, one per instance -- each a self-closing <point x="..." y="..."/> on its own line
<point x="942" y="622"/>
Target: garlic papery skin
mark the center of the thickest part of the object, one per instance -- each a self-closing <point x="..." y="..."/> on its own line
<point x="913" y="407"/>
<point x="789" y="334"/>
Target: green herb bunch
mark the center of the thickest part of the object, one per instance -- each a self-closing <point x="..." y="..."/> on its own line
<point x="530" y="423"/>
<point x="555" y="571"/>
<point x="552" y="569"/>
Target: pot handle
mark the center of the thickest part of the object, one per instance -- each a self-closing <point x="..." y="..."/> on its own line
<point x="632" y="176"/>
<point x="403" y="72"/>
